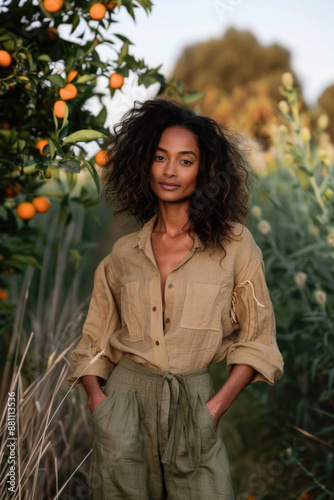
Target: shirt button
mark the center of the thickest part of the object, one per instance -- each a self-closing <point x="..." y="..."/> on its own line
<point x="157" y="342"/>
<point x="167" y="320"/>
<point x="170" y="285"/>
<point x="154" y="308"/>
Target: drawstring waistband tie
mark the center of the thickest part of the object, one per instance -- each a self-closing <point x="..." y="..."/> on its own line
<point x="175" y="393"/>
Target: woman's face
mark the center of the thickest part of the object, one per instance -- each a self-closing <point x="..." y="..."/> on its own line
<point x="176" y="161"/>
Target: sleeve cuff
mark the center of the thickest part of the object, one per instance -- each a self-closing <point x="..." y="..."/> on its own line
<point x="270" y="369"/>
<point x="101" y="368"/>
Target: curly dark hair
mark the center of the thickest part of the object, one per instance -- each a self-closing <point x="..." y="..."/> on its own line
<point x="223" y="181"/>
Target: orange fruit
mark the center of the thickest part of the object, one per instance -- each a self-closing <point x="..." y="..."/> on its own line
<point x="3" y="294"/>
<point x="72" y="74"/>
<point x="96" y="41"/>
<point x="5" y="125"/>
<point x="25" y="210"/>
<point x="111" y="5"/>
<point x="97" y="11"/>
<point x="51" y="34"/>
<point x="116" y="81"/>
<point x="41" y="204"/>
<point x="5" y="59"/>
<point x="101" y="158"/>
<point x="40" y="144"/>
<point x="68" y="92"/>
<point x="53" y="5"/>
<point x="59" y="109"/>
<point x="12" y="190"/>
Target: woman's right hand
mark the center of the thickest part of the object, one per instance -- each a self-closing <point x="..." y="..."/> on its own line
<point x="95" y="400"/>
<point x="95" y="395"/>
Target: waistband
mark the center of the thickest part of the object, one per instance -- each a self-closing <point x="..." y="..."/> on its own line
<point x="145" y="370"/>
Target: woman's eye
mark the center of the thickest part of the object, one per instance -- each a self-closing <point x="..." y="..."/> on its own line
<point x="188" y="162"/>
<point x="159" y="158"/>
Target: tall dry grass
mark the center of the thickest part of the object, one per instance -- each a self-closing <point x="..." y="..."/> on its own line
<point x="52" y="428"/>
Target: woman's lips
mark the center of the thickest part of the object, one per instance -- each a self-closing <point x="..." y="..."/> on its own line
<point x="169" y="187"/>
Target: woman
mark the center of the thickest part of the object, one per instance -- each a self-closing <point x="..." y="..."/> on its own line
<point x="186" y="290"/>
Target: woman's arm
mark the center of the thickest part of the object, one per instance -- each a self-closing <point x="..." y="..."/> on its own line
<point x="94" y="392"/>
<point x="239" y="377"/>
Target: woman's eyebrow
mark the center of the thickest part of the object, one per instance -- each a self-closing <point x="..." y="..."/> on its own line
<point x="180" y="152"/>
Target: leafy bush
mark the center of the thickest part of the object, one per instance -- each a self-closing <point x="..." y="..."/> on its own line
<point x="290" y="455"/>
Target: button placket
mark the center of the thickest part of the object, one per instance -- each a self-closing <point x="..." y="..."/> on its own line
<point x="168" y="299"/>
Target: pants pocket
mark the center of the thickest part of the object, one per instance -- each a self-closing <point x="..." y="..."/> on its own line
<point x="108" y="391"/>
<point x="206" y="412"/>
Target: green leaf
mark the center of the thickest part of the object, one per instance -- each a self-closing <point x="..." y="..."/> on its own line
<point x="71" y="179"/>
<point x="146" y="4"/>
<point x="43" y="9"/>
<point x="146" y="80"/>
<point x="95" y="217"/>
<point x="52" y="150"/>
<point x="55" y="120"/>
<point x="129" y="7"/>
<point x="26" y="259"/>
<point x="123" y="38"/>
<point x="131" y="62"/>
<point x="65" y="119"/>
<point x="69" y="63"/>
<point x="101" y="117"/>
<point x="84" y="136"/>
<point x="21" y="145"/>
<point x="123" y="71"/>
<point x="86" y="78"/>
<point x="44" y="57"/>
<point x="63" y="133"/>
<point x="70" y="165"/>
<point x="123" y="52"/>
<point x="62" y="214"/>
<point x="56" y="144"/>
<point x="93" y="173"/>
<point x="76" y="256"/>
<point x="193" y="97"/>
<point x="75" y="22"/>
<point x="56" y="80"/>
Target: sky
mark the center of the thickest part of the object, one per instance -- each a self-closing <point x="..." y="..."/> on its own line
<point x="304" y="27"/>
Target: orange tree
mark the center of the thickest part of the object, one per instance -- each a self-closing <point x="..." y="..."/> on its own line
<point x="46" y="79"/>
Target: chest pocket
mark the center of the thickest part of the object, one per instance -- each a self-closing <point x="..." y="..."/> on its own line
<point x="201" y="309"/>
<point x="132" y="311"/>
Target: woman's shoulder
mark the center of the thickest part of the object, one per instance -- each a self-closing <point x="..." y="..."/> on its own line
<point x="241" y="237"/>
<point x="124" y="243"/>
<point x="247" y="254"/>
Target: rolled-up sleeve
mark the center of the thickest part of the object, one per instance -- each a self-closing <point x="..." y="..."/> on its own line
<point x="256" y="343"/>
<point x="92" y="356"/>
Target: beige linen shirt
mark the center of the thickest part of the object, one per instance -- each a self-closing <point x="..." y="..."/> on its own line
<point x="213" y="310"/>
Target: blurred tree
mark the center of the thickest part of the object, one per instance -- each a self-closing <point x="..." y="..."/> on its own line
<point x="326" y="101"/>
<point x="235" y="59"/>
<point x="240" y="79"/>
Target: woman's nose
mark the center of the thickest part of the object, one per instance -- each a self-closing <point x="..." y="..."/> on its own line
<point x="170" y="167"/>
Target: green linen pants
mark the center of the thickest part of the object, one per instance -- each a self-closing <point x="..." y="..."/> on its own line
<point x="154" y="438"/>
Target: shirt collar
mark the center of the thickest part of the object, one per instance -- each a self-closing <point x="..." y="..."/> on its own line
<point x="144" y="235"/>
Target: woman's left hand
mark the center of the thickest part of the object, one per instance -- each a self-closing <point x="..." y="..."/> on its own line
<point x="214" y="410"/>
